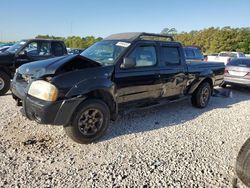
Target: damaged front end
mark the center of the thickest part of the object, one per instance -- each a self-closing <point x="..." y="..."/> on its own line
<point x="44" y="88"/>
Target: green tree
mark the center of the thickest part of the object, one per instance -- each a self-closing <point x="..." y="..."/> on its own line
<point x="217" y="39"/>
<point x="169" y="31"/>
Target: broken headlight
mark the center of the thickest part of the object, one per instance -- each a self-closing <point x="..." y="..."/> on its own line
<point x="43" y="90"/>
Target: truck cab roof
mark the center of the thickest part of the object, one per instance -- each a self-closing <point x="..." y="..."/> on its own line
<point x="135" y="36"/>
<point x="41" y="39"/>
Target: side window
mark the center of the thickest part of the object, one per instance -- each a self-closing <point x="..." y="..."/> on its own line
<point x="44" y="48"/>
<point x="171" y="55"/>
<point x="189" y="53"/>
<point x="241" y="55"/>
<point x="32" y="49"/>
<point x="198" y="54"/>
<point x="57" y="49"/>
<point x="38" y="49"/>
<point x="144" y="56"/>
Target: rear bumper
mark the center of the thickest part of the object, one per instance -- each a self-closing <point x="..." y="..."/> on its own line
<point x="236" y="81"/>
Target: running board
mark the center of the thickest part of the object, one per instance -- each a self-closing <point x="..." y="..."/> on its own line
<point x="153" y="104"/>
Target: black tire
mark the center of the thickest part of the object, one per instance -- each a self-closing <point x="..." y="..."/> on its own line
<point x="4" y="83"/>
<point x="243" y="163"/>
<point x="201" y="96"/>
<point x="89" y="122"/>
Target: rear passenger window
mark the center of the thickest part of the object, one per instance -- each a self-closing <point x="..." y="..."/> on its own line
<point x="171" y="55"/>
<point x="198" y="54"/>
<point x="57" y="49"/>
<point x="189" y="53"/>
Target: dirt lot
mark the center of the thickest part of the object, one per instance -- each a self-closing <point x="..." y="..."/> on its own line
<point x="171" y="146"/>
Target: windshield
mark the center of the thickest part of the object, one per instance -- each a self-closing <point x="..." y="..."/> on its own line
<point x="105" y="52"/>
<point x="16" y="46"/>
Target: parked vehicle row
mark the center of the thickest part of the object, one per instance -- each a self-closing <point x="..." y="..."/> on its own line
<point x="124" y="72"/>
<point x="225" y="57"/>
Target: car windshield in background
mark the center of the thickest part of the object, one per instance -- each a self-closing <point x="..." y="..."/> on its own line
<point x="16" y="46"/>
<point x="228" y="55"/>
<point x="105" y="52"/>
<point x="240" y="63"/>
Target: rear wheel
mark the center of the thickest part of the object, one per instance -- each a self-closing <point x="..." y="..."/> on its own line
<point x="90" y="121"/>
<point x="4" y="83"/>
<point x="201" y="96"/>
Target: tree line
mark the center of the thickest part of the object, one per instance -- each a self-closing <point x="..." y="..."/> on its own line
<point x="210" y="40"/>
<point x="74" y="41"/>
<point x="215" y="40"/>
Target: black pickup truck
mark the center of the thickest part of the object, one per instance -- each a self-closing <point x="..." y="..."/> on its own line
<point x="26" y="51"/>
<point x="124" y="72"/>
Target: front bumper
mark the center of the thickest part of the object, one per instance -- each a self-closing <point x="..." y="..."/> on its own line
<point x="236" y="81"/>
<point x="44" y="112"/>
<point x="55" y="113"/>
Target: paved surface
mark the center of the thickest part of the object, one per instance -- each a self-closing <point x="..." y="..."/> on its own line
<point x="171" y="146"/>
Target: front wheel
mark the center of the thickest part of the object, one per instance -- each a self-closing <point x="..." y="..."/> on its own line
<point x="201" y="96"/>
<point x="4" y="83"/>
<point x="90" y="121"/>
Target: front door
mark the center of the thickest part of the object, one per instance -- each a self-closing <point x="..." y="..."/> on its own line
<point x="141" y="82"/>
<point x="34" y="51"/>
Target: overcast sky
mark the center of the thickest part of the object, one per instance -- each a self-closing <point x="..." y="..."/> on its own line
<point x="28" y="18"/>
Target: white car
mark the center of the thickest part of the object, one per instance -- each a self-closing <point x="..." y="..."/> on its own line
<point x="226" y="57"/>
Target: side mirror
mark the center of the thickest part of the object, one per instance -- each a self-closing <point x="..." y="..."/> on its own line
<point x="128" y="63"/>
<point x="23" y="53"/>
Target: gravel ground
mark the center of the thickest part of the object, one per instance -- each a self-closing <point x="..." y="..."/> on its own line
<point x="171" y="146"/>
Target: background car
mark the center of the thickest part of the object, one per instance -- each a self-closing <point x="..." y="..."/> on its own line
<point x="226" y="57"/>
<point x="237" y="72"/>
<point x="4" y="47"/>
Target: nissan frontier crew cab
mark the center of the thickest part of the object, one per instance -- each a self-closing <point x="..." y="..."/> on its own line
<point x="26" y="51"/>
<point x="123" y="72"/>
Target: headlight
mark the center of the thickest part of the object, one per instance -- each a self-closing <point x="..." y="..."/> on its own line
<point x="43" y="90"/>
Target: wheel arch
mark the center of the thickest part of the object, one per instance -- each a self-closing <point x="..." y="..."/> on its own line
<point x="6" y="70"/>
<point x="195" y="86"/>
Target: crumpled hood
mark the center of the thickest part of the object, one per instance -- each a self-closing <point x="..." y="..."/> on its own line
<point x="49" y="66"/>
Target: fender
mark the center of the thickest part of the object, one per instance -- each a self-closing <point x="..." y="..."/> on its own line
<point x="197" y="79"/>
<point x="92" y="84"/>
<point x="101" y="87"/>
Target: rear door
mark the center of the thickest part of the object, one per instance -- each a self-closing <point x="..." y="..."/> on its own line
<point x="141" y="82"/>
<point x="173" y="72"/>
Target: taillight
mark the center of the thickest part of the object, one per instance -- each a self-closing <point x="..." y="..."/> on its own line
<point x="226" y="71"/>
